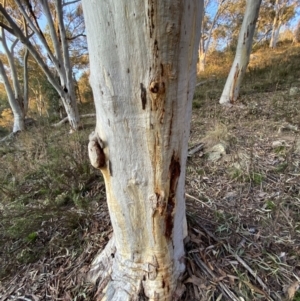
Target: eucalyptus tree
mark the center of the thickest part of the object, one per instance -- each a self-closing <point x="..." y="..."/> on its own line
<point x="209" y="22"/>
<point x="57" y="51"/>
<point x="44" y="99"/>
<point x="297" y="33"/>
<point x="16" y="84"/>
<point x="232" y="87"/>
<point x="282" y="11"/>
<point x="143" y="58"/>
<point x="273" y="15"/>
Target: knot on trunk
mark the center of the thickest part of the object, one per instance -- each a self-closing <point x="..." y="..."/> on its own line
<point x="96" y="153"/>
<point x="157" y="87"/>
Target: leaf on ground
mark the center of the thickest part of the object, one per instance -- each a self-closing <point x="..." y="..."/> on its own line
<point x="254" y="288"/>
<point x="196" y="281"/>
<point x="293" y="289"/>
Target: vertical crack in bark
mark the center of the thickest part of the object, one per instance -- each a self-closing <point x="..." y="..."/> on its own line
<point x="170" y="130"/>
<point x="162" y="70"/>
<point x="143" y="96"/>
<point x="174" y="173"/>
<point x="151" y="17"/>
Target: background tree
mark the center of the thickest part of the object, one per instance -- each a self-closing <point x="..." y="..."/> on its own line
<point x="16" y="84"/>
<point x="84" y="87"/>
<point x="241" y="60"/>
<point x="44" y="99"/>
<point x="283" y="11"/>
<point x="57" y="52"/>
<point x="297" y="33"/>
<point x="208" y="25"/>
<point x="143" y="67"/>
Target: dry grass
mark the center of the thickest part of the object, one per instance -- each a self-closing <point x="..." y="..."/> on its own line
<point x="245" y="225"/>
<point x="244" y="214"/>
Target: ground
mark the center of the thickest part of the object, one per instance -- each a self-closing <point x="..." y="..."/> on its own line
<point x="243" y="209"/>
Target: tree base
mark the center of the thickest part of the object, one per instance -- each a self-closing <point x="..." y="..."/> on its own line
<point x="119" y="280"/>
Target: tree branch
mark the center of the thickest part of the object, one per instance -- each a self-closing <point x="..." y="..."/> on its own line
<point x="77" y="36"/>
<point x="38" y="33"/>
<point x="13" y="45"/>
<point x="70" y="2"/>
<point x="4" y="26"/>
<point x="19" y="34"/>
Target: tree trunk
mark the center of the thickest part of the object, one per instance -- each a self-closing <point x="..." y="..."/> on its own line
<point x="232" y="87"/>
<point x="68" y="100"/>
<point x="275" y="35"/>
<point x="14" y="103"/>
<point x="274" y="26"/>
<point x="25" y="72"/>
<point x="143" y="70"/>
<point x="201" y="63"/>
<point x="205" y="40"/>
<point x="15" y="97"/>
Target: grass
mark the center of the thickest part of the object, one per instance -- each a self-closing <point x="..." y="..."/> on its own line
<point x="244" y="220"/>
<point x="47" y="194"/>
<point x="254" y="208"/>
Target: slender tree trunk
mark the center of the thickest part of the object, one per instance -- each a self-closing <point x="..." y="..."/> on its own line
<point x="66" y="89"/>
<point x="232" y="87"/>
<point x="17" y="111"/>
<point x="275" y="36"/>
<point x="25" y="72"/>
<point x="143" y="66"/>
<point x="205" y="42"/>
<point x="201" y="63"/>
<point x="274" y="26"/>
<point x="201" y="52"/>
<point x="68" y="99"/>
<point x="15" y="97"/>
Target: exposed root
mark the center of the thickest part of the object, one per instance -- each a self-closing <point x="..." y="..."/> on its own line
<point x="102" y="264"/>
<point x="101" y="274"/>
<point x="118" y="279"/>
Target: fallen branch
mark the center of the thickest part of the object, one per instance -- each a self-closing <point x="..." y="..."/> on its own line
<point x="195" y="199"/>
<point x="195" y="149"/>
<point x="257" y="278"/>
<point x="202" y="83"/>
<point x="66" y="119"/>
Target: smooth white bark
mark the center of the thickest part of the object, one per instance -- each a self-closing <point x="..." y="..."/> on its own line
<point x="59" y="58"/>
<point x="283" y="14"/>
<point x="15" y="107"/>
<point x="143" y="66"/>
<point x="275" y="26"/>
<point x="232" y="87"/>
<point x="15" y="96"/>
